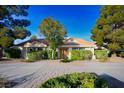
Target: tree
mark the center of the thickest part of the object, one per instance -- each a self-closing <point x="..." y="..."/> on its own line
<point x="12" y="24"/>
<point x="33" y="37"/>
<point x="54" y="33"/>
<point x="109" y="29"/>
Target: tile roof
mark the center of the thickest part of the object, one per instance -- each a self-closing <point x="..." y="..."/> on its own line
<point x="32" y="42"/>
<point x="69" y="42"/>
<point x="77" y="41"/>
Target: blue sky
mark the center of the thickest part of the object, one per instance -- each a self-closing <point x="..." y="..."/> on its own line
<point x="78" y="20"/>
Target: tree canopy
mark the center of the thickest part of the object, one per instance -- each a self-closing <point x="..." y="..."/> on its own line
<point x="109" y="29"/>
<point x="54" y="33"/>
<point x="33" y="37"/>
<point x="13" y="24"/>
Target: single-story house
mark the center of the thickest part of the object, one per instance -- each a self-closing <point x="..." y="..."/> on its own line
<point x="63" y="51"/>
<point x="31" y="45"/>
<point x="75" y="44"/>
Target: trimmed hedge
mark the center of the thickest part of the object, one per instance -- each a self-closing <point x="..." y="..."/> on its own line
<point x="101" y="54"/>
<point x="42" y="54"/>
<point x="13" y="53"/>
<point x="34" y="56"/>
<point x="76" y="80"/>
<point x="75" y="55"/>
<point x="81" y="55"/>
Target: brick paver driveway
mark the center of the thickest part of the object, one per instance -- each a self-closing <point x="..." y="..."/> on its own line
<point x="33" y="74"/>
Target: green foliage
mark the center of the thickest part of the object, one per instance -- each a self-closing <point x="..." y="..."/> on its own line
<point x="108" y="31"/>
<point x="6" y="41"/>
<point x="20" y="32"/>
<point x="11" y="26"/>
<point x="101" y="54"/>
<point x="121" y="54"/>
<point x="101" y="83"/>
<point x="34" y="56"/>
<point x="50" y="56"/>
<point x="81" y="55"/>
<point x="86" y="54"/>
<point x="113" y="46"/>
<point x="53" y="31"/>
<point x="33" y="37"/>
<point x="1" y="54"/>
<point x="76" y="80"/>
<point x="66" y="60"/>
<point x="13" y="53"/>
<point x="49" y="52"/>
<point x="55" y="54"/>
<point x="38" y="55"/>
<point x="75" y="55"/>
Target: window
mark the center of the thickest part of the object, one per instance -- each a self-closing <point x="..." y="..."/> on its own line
<point x="75" y="48"/>
<point x="81" y="48"/>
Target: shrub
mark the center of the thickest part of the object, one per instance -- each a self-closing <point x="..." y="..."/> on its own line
<point x="75" y="55"/>
<point x="86" y="54"/>
<point x="66" y="60"/>
<point x="34" y="56"/>
<point x="43" y="54"/>
<point x="101" y="83"/>
<point x="101" y="54"/>
<point x="76" y="80"/>
<point x="81" y="55"/>
<point x="121" y="54"/>
<point x="13" y="53"/>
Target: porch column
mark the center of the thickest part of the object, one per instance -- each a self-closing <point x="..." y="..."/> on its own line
<point x="22" y="52"/>
<point x="26" y="53"/>
<point x="93" y="57"/>
<point x="44" y="48"/>
<point x="69" y="55"/>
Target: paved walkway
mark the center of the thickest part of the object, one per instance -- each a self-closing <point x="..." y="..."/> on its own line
<point x="33" y="74"/>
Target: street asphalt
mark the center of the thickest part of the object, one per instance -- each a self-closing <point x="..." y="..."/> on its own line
<point x="28" y="75"/>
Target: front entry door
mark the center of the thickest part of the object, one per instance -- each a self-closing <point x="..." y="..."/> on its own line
<point x="64" y="53"/>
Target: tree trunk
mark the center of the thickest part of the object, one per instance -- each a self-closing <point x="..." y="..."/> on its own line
<point x="52" y="54"/>
<point x="113" y="55"/>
